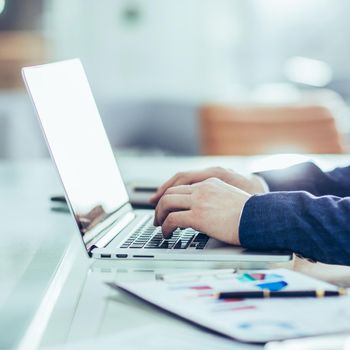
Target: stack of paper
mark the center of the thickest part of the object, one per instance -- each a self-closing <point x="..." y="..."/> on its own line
<point x="250" y="320"/>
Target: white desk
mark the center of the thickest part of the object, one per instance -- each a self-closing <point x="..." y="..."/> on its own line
<point x="50" y="294"/>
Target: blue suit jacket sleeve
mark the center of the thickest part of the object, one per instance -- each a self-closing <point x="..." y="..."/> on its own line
<point x="312" y="218"/>
<point x="308" y="177"/>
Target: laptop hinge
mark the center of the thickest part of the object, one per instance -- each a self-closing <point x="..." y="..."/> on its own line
<point x="112" y="231"/>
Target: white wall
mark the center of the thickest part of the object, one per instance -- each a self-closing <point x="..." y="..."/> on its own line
<point x="195" y="49"/>
<point x="178" y="50"/>
<point x="150" y="74"/>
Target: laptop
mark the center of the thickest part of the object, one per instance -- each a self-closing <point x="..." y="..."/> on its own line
<point x="94" y="189"/>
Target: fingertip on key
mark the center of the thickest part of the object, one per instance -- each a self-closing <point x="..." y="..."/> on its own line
<point x="167" y="235"/>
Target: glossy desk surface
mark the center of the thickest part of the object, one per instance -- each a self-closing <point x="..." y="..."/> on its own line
<point x="52" y="294"/>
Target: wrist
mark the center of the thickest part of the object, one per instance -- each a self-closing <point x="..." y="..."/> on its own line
<point x="259" y="185"/>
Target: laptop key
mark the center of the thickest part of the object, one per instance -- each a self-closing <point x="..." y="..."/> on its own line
<point x="202" y="243"/>
<point x="154" y="246"/>
<point x="201" y="237"/>
<point x="182" y="244"/>
<point x="154" y="243"/>
<point x="137" y="245"/>
<point x="156" y="240"/>
<point x="167" y="245"/>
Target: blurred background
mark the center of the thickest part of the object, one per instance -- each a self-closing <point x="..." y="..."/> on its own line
<point x="188" y="76"/>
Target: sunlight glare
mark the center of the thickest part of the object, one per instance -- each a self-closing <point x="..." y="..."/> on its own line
<point x="278" y="161"/>
<point x="2" y="6"/>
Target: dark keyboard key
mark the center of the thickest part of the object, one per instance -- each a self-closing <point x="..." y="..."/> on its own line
<point x="201" y="240"/>
<point x="146" y="233"/>
<point x="187" y="232"/>
<point x="187" y="236"/>
<point x="181" y="244"/>
<point x="137" y="245"/>
<point x="201" y="237"/>
<point x="167" y="245"/>
<point x="154" y="245"/>
<point x="155" y="240"/>
<point x="201" y="245"/>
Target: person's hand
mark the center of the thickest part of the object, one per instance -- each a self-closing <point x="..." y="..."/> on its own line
<point x="249" y="183"/>
<point x="212" y="207"/>
<point x="91" y="218"/>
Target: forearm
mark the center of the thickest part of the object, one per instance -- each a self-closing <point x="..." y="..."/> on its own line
<point x="308" y="177"/>
<point x="315" y="227"/>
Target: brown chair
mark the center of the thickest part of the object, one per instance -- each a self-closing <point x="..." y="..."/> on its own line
<point x="229" y="130"/>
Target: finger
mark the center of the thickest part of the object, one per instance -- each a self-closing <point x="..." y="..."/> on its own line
<point x="192" y="177"/>
<point x="181" y="189"/>
<point x="169" y="203"/>
<point x="186" y="178"/>
<point x="174" y="220"/>
<point x="155" y="198"/>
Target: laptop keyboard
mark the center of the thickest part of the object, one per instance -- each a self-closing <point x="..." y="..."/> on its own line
<point x="151" y="237"/>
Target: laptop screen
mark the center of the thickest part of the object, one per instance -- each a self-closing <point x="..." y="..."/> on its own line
<point x="77" y="141"/>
